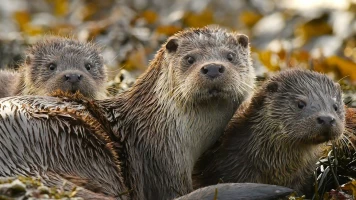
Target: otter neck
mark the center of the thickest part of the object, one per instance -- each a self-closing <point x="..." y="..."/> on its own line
<point x="167" y="138"/>
<point x="268" y="138"/>
<point x="19" y="84"/>
<point x="22" y="86"/>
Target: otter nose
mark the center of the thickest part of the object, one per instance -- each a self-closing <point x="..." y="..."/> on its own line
<point x="326" y="120"/>
<point x="212" y="70"/>
<point x="73" y="78"/>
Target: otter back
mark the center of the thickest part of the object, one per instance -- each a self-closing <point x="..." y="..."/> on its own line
<point x="59" y="140"/>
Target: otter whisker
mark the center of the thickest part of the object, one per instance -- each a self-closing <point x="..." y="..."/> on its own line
<point x="248" y="86"/>
<point x="109" y="70"/>
<point x="342" y="78"/>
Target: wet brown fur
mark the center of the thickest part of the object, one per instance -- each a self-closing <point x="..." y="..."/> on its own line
<point x="267" y="142"/>
<point x="71" y="122"/>
<point x="151" y="134"/>
<point x="160" y="124"/>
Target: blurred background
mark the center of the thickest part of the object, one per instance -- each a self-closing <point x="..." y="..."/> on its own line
<point x="314" y="34"/>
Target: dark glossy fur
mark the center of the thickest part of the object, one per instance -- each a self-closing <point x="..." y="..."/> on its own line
<point x="69" y="57"/>
<point x="158" y="128"/>
<point x="270" y="140"/>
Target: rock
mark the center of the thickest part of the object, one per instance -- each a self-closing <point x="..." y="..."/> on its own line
<point x="342" y="22"/>
<point x="267" y="29"/>
<point x="29" y="188"/>
<point x="326" y="45"/>
<point x="237" y="191"/>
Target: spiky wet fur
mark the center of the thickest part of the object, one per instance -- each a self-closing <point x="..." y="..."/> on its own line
<point x="59" y="139"/>
<point x="267" y="142"/>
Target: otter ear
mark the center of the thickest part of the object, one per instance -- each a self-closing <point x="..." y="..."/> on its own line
<point x="338" y="88"/>
<point x="272" y="87"/>
<point x="101" y="58"/>
<point x="28" y="60"/>
<point x="243" y="40"/>
<point x="172" y="45"/>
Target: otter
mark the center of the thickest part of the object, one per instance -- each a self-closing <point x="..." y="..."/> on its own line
<point x="276" y="137"/>
<point x="57" y="63"/>
<point x="144" y="142"/>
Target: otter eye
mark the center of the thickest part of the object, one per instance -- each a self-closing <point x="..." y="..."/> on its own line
<point x="190" y="59"/>
<point x="88" y="66"/>
<point x="301" y="104"/>
<point x="230" y="57"/>
<point x="336" y="108"/>
<point x="52" y="66"/>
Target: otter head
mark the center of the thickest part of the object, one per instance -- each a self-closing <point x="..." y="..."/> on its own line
<point x="64" y="64"/>
<point x="209" y="64"/>
<point x="305" y="107"/>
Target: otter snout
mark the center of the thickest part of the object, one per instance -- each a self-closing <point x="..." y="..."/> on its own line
<point x="326" y="120"/>
<point x="212" y="70"/>
<point x="327" y="128"/>
<point x="73" y="81"/>
<point x="73" y="78"/>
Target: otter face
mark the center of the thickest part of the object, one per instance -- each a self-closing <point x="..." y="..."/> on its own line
<point x="306" y="106"/>
<point x="210" y="64"/>
<point x="67" y="65"/>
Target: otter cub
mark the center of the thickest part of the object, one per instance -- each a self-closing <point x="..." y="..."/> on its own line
<point x="148" y="138"/>
<point x="58" y="64"/>
<point x="276" y="138"/>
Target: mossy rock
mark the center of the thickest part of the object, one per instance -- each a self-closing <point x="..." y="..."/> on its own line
<point x="21" y="188"/>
